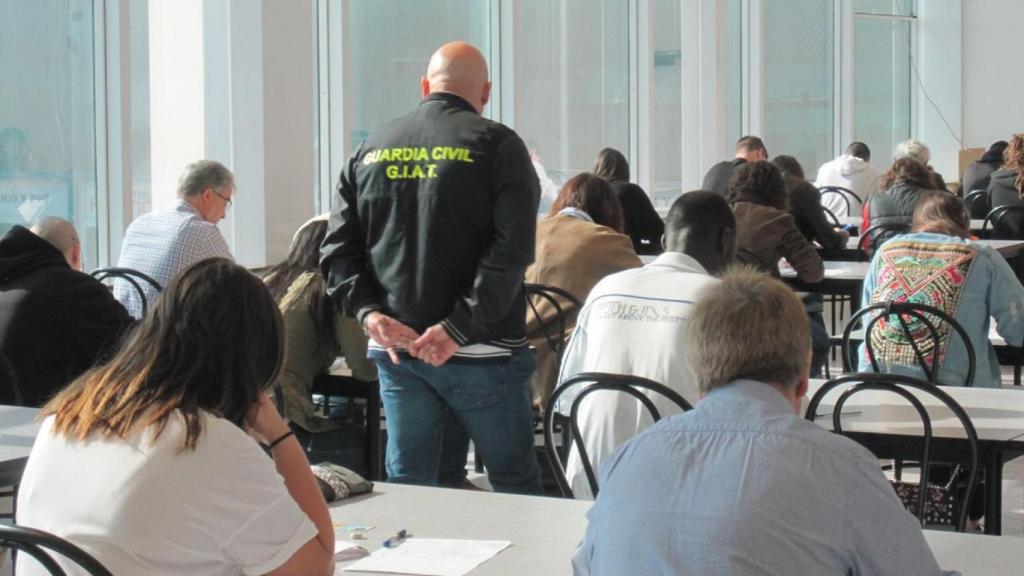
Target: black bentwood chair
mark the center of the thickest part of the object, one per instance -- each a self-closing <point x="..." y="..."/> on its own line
<point x="132" y="277"/>
<point x="592" y="382"/>
<point x="919" y="325"/>
<point x="928" y="498"/>
<point x="845" y="193"/>
<point x="39" y="545"/>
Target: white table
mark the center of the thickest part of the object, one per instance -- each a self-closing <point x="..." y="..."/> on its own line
<point x="18" y="429"/>
<point x="857" y="221"/>
<point x="1008" y="248"/>
<point x="545" y="531"/>
<point x="890" y="427"/>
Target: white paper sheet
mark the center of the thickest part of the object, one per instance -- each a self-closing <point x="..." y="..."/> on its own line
<point x="431" y="557"/>
<point x="833" y="272"/>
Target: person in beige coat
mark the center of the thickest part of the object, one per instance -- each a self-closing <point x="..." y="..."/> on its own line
<point x="579" y="242"/>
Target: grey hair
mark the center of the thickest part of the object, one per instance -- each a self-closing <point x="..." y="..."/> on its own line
<point x="912" y="148"/>
<point x="57" y="231"/>
<point x="203" y="174"/>
<point x="750" y="326"/>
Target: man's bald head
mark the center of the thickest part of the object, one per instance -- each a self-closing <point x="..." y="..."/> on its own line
<point x="458" y="68"/>
<point x="62" y="235"/>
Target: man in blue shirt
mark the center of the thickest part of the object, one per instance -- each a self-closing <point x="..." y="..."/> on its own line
<point x="741" y="484"/>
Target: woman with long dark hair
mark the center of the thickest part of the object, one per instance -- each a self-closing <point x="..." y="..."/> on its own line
<point x="150" y="462"/>
<point x="642" y="223"/>
<point x="316" y="333"/>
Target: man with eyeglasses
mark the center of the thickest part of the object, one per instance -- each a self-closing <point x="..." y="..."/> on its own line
<point x="164" y="242"/>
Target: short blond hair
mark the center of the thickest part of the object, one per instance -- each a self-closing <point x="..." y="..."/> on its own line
<point x="751" y="326"/>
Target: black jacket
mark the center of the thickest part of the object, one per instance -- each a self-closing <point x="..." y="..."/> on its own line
<point x="435" y="221"/>
<point x="643" y="225"/>
<point x="717" y="178"/>
<point x="55" y="322"/>
<point x="805" y="206"/>
<point x="977" y="174"/>
<point x="893" y="206"/>
<point x="1002" y="188"/>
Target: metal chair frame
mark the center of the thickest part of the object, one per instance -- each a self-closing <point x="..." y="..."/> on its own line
<point x="868" y="238"/>
<point x="918" y="312"/>
<point x="132" y="277"/>
<point x="627" y="384"/>
<point x="336" y="386"/>
<point x="548" y="293"/>
<point x="996" y="216"/>
<point x="832" y="217"/>
<point x="897" y="384"/>
<point x="844" y="193"/>
<point x="985" y="202"/>
<point x="37" y="544"/>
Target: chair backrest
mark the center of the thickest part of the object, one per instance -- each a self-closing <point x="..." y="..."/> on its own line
<point x="876" y="235"/>
<point x="922" y="333"/>
<point x="132" y="277"/>
<point x="10" y="390"/>
<point x="635" y="386"/>
<point x="845" y="193"/>
<point x="39" y="545"/>
<point x="556" y="338"/>
<point x="831" y="217"/>
<point x="1007" y="222"/>
<point x="901" y="385"/>
<point x="978" y="203"/>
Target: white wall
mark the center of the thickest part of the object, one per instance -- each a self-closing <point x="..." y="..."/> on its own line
<point x="939" y="54"/>
<point x="992" y="83"/>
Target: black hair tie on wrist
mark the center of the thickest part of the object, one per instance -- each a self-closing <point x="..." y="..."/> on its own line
<point x="281" y="439"/>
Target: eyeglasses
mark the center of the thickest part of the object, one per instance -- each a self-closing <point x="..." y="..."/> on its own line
<point x="227" y="201"/>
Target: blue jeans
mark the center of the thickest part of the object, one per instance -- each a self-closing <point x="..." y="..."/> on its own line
<point x="490" y="401"/>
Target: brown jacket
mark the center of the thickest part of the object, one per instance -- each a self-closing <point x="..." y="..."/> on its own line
<point x="573" y="255"/>
<point x="765" y="234"/>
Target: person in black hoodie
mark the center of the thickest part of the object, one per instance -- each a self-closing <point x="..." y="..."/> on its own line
<point x="1005" y="184"/>
<point x="643" y="225"/>
<point x="55" y="321"/>
<point x="748" y="149"/>
<point x="978" y="173"/>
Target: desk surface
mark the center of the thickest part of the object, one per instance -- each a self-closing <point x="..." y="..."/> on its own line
<point x="544" y="531"/>
<point x="857" y="221"/>
<point x="1007" y="248"/>
<point x="835" y="270"/>
<point x="997" y="413"/>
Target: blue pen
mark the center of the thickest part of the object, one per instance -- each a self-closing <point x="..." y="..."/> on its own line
<point x="397" y="539"/>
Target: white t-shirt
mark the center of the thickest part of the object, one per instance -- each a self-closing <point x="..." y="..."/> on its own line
<point x="143" y="508"/>
<point x="633" y="322"/>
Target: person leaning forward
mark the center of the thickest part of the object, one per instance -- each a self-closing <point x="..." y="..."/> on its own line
<point x="433" y="228"/>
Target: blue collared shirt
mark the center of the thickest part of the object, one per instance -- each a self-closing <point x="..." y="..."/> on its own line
<point x="742" y="486"/>
<point x="163" y="243"/>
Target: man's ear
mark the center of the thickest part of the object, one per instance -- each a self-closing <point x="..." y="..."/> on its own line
<point x="727" y="243"/>
<point x="424" y="87"/>
<point x="75" y="261"/>
<point x="485" y="97"/>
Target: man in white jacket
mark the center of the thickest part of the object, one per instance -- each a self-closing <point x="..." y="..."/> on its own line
<point x="853" y="171"/>
<point x="634" y="322"/>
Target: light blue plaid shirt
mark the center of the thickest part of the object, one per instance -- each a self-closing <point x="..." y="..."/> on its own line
<point x="163" y="243"/>
<point x="741" y="485"/>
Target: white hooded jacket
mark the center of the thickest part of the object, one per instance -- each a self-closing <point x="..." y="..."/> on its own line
<point x="849" y="172"/>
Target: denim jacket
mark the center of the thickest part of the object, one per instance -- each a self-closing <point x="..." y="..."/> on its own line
<point x="969" y="281"/>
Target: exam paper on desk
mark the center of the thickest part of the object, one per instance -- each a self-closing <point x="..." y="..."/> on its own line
<point x="431" y="557"/>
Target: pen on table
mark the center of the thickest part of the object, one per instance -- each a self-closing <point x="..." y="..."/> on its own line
<point x="397" y="539"/>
